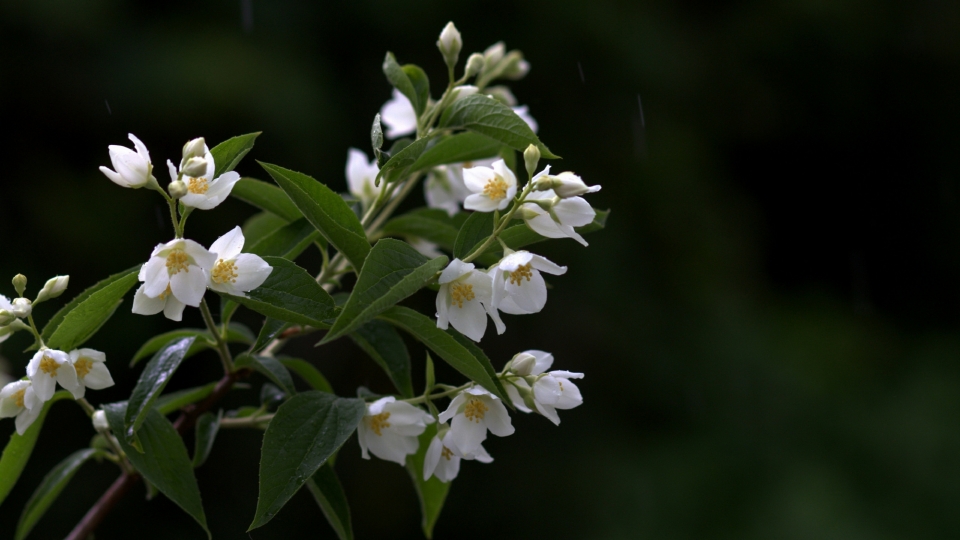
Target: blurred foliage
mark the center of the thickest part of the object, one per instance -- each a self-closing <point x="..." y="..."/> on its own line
<point x="768" y="325"/>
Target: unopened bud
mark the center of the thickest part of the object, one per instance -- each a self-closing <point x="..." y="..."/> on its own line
<point x="531" y="158"/>
<point x="20" y="283"/>
<point x="502" y="94"/>
<point x="450" y="44"/>
<point x="474" y="65"/>
<point x="194" y="167"/>
<point x="525" y="213"/>
<point x="522" y="364"/>
<point x="53" y="288"/>
<point x="194" y="148"/>
<point x="515" y="67"/>
<point x="463" y="91"/>
<point x="567" y="184"/>
<point x="100" y="421"/>
<point x="177" y="189"/>
<point x="22" y="307"/>
<point x="494" y="54"/>
<point x="6" y="317"/>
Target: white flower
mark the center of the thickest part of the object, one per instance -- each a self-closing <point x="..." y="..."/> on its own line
<point x="492" y="189"/>
<point x="567" y="214"/>
<point x="465" y="299"/>
<point x="425" y="247"/>
<point x="49" y="367"/>
<point x="133" y="169"/>
<point x="91" y="371"/>
<point x="234" y="272"/>
<point x="18" y="399"/>
<point x="53" y="288"/>
<point x="203" y="191"/>
<point x="450" y="43"/>
<point x="524" y="115"/>
<point x="399" y="116"/>
<point x="518" y="287"/>
<point x="390" y="429"/>
<point x="551" y="391"/>
<point x="471" y="414"/>
<point x="443" y="457"/>
<point x="361" y="175"/>
<point x="565" y="185"/>
<point x="175" y="275"/>
<point x="22" y="307"/>
<point x="445" y="189"/>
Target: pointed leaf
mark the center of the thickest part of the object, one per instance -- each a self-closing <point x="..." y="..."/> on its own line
<point x="466" y="146"/>
<point x="270" y="368"/>
<point x="49" y="489"/>
<point x="288" y="241"/>
<point x="19" y="448"/>
<point x="400" y="80"/>
<point x="308" y="373"/>
<point x="421" y="85"/>
<point x="393" y="271"/>
<point x="235" y="334"/>
<point x="430" y="224"/>
<point x="481" y="114"/>
<point x="152" y="381"/>
<point x="327" y="211"/>
<point x="290" y="294"/>
<point x="477" y="228"/>
<point x="77" y="321"/>
<point x="327" y="491"/>
<point x="431" y="493"/>
<point x="447" y="347"/>
<point x="206" y="432"/>
<point x="227" y="155"/>
<point x="174" y="401"/>
<point x="382" y="343"/>
<point x="164" y="461"/>
<point x="399" y="163"/>
<point x="266" y="197"/>
<point x="303" y="434"/>
<point x="270" y="330"/>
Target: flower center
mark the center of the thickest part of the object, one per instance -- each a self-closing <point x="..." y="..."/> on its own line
<point x="475" y="410"/>
<point x="496" y="188"/>
<point x="446" y="452"/>
<point x="461" y="292"/>
<point x="516" y="277"/>
<point x="49" y="366"/>
<point x="197" y="186"/>
<point x="177" y="260"/>
<point x="167" y="292"/>
<point x="378" y="422"/>
<point x="223" y="272"/>
<point x="18" y="398"/>
<point x="83" y="366"/>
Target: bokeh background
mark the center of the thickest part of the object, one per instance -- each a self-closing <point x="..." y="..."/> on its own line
<point x="768" y="327"/>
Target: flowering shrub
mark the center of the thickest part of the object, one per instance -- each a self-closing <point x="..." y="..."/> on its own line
<point x="463" y="148"/>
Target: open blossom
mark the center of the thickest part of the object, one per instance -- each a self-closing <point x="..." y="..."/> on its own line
<point x="551" y="391"/>
<point x="361" y="176"/>
<point x="18" y="399"/>
<point x="390" y="429"/>
<point x="234" y="272"/>
<point x="471" y="414"/>
<point x="49" y="367"/>
<point x="465" y="299"/>
<point x="445" y="188"/>
<point x="5" y="331"/>
<point x="518" y="287"/>
<point x="398" y="115"/>
<point x="492" y="188"/>
<point x="91" y="371"/>
<point x="443" y="457"/>
<point x="203" y="190"/>
<point x="175" y="275"/>
<point x="133" y="169"/>
<point x="566" y="214"/>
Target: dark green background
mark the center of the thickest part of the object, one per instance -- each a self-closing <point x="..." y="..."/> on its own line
<point x="768" y="326"/>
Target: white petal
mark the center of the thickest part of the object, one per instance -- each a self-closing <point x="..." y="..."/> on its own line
<point x="229" y="245"/>
<point x="515" y="398"/>
<point x="203" y="258"/>
<point x="470" y="320"/>
<point x="172" y="171"/>
<point x="575" y="211"/>
<point x="26" y="418"/>
<point x="98" y="378"/>
<point x="467" y="434"/>
<point x="547" y="390"/>
<point x="524" y="114"/>
<point x="497" y="418"/>
<point x="476" y="178"/>
<point x="443" y="307"/>
<point x="173" y="308"/>
<point x="500" y="167"/>
<point x="452" y="409"/>
<point x="252" y="271"/>
<point x="543" y="363"/>
<point x="144" y="305"/>
<point x="515" y="260"/>
<point x="545" y="265"/>
<point x="432" y="458"/>
<point x="361" y="175"/>
<point x="481" y="203"/>
<point x="141" y="148"/>
<point x="398" y="115"/>
<point x="189" y="285"/>
<point x="114" y="177"/>
<point x="155" y="276"/>
<point x="454" y="270"/>
<point x="44" y="385"/>
<point x="530" y="295"/>
<point x="549" y="412"/>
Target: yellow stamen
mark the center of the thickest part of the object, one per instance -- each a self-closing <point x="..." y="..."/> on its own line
<point x="475" y="410"/>
<point x="177" y="260"/>
<point x="446" y="453"/>
<point x="49" y="366"/>
<point x="18" y="398"/>
<point x="167" y="292"/>
<point x="223" y="272"/>
<point x="496" y="188"/>
<point x="522" y="272"/>
<point x="83" y="365"/>
<point x="461" y="292"/>
<point x="197" y="186"/>
<point x="379" y="422"/>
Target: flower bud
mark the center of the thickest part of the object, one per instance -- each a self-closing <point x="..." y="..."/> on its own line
<point x="515" y="66"/>
<point x="194" y="148"/>
<point x="502" y="94"/>
<point x="450" y="44"/>
<point x="474" y="65"/>
<point x="53" y="288"/>
<point x="22" y="307"/>
<point x="20" y="283"/>
<point x="6" y="317"/>
<point x="194" y="167"/>
<point x="100" y="421"/>
<point x="567" y="184"/>
<point x="525" y="213"/>
<point x="494" y="54"/>
<point x="531" y="157"/>
<point x="463" y="91"/>
<point x="522" y="364"/>
<point x="177" y="189"/>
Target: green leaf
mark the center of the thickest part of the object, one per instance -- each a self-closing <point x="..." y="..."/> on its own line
<point x="49" y="489"/>
<point x="430" y="224"/>
<point x="19" y="448"/>
<point x="466" y="146"/>
<point x="327" y="211"/>
<point x="518" y="236"/>
<point x="400" y="80"/>
<point x="379" y="340"/>
<point x="270" y="330"/>
<point x="376" y="134"/>
<point x="393" y="271"/>
<point x="305" y="431"/>
<point x="227" y="155"/>
<point x="446" y="346"/>
<point x="269" y="367"/>
<point x="400" y="162"/>
<point x="266" y="197"/>
<point x="152" y="381"/>
<point x="307" y="372"/>
<point x="481" y="114"/>
<point x="477" y="228"/>
<point x="77" y="321"/>
<point x="261" y="225"/>
<point x="421" y="85"/>
<point x="206" y="432"/>
<point x="168" y="403"/>
<point x="431" y="493"/>
<point x="164" y="461"/>
<point x="289" y="294"/>
<point x="328" y="493"/>
<point x="235" y="334"/>
<point x="288" y="241"/>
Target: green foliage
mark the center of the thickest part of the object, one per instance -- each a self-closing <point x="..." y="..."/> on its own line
<point x="236" y="333"/>
<point x="270" y="330"/>
<point x="327" y="491"/>
<point x="400" y="162"/>
<point x="466" y="146"/>
<point x="430" y="224"/>
<point x="208" y="424"/>
<point x="308" y="373"/>
<point x="415" y="88"/>
<point x="49" y="489"/>
<point x="19" y="448"/>
<point x="173" y="401"/>
<point x="481" y="114"/>
<point x="227" y="155"/>
<point x="385" y="346"/>
<point x="431" y="493"/>
<point x="266" y="197"/>
<point x="304" y="433"/>
<point x="477" y="228"/>
<point x="269" y="367"/>
<point x="289" y="294"/>
<point x="156" y="374"/>
<point x="288" y="241"/>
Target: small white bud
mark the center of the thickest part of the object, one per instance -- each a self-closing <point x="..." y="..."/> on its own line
<point x="523" y="363"/>
<point x="450" y="44"/>
<point x="22" y="307"/>
<point x="20" y="283"/>
<point x="177" y="189"/>
<point x="463" y="91"/>
<point x="6" y="317"/>
<point x="567" y="184"/>
<point x="194" y="148"/>
<point x="531" y="157"/>
<point x="194" y="167"/>
<point x="516" y="67"/>
<point x="502" y="94"/>
<point x="474" y="65"/>
<point x="494" y="54"/>
<point x="53" y="288"/>
<point x="100" y="421"/>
